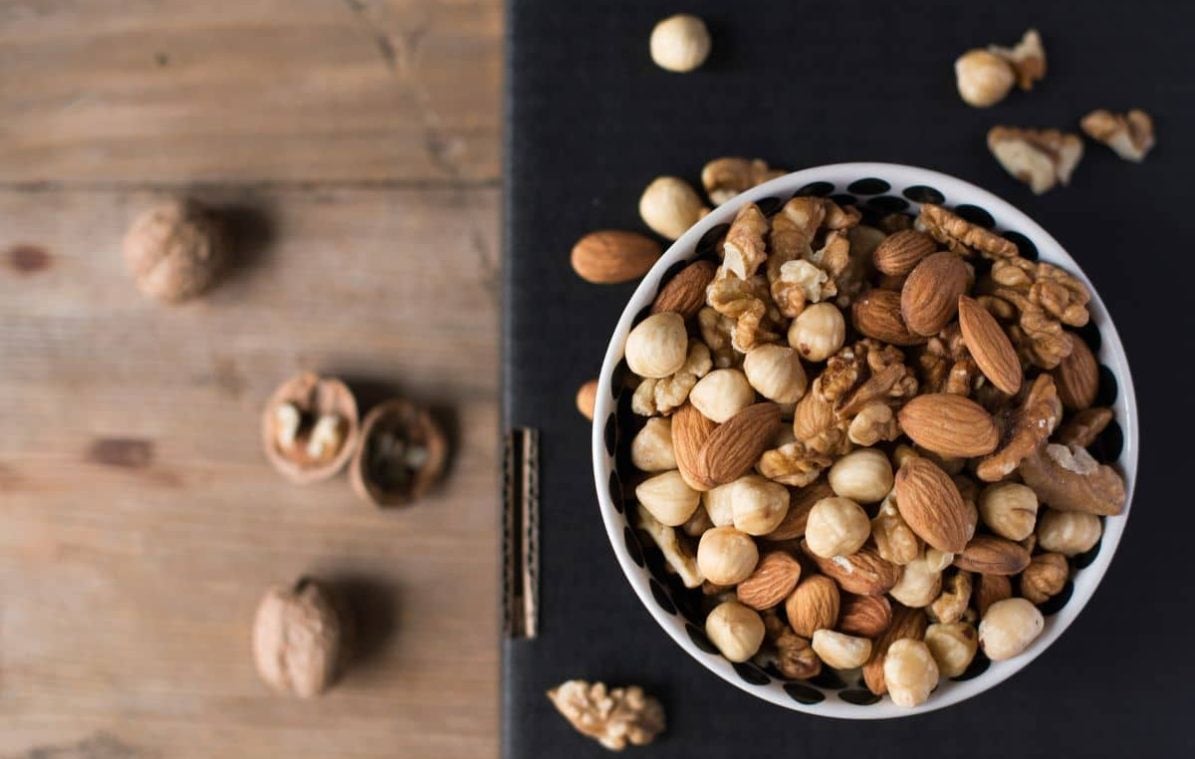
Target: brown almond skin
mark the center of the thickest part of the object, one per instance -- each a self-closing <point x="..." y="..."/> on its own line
<point x="989" y="346"/>
<point x="813" y="606"/>
<point x="929" y="299"/>
<point x="906" y="623"/>
<point x="864" y="572"/>
<point x="736" y="445"/>
<point x="611" y="256"/>
<point x="877" y="315"/>
<point x="800" y="503"/>
<point x="988" y="590"/>
<point x="990" y="555"/>
<point x="949" y="425"/>
<point x="773" y="580"/>
<point x="931" y="504"/>
<point x="690" y="431"/>
<point x="866" y="616"/>
<point x="685" y="292"/>
<point x="1078" y="376"/>
<point x="900" y="252"/>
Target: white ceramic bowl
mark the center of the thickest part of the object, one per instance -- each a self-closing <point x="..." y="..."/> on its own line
<point x="897" y="186"/>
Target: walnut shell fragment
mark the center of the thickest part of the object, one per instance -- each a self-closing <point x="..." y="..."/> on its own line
<point x="309" y="427"/>
<point x="1069" y="479"/>
<point x="174" y="250"/>
<point x="614" y="717"/>
<point x="297" y="639"/>
<point x="402" y="454"/>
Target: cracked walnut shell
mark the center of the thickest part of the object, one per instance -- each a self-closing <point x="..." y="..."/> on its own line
<point x="309" y="427"/>
<point x="174" y="250"/>
<point x="402" y="454"/>
<point x="614" y="717"/>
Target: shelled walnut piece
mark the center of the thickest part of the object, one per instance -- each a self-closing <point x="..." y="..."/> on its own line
<point x="309" y="427"/>
<point x="1131" y="134"/>
<point x="614" y="717"/>
<point x="1041" y="158"/>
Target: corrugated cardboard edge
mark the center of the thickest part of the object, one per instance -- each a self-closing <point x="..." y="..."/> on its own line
<point x="520" y="534"/>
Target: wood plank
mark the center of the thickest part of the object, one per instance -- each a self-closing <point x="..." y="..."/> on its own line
<point x="175" y="91"/>
<point x="129" y="575"/>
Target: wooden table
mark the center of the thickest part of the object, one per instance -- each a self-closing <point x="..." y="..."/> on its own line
<point x="354" y="146"/>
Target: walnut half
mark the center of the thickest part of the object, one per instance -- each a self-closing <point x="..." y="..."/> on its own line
<point x="614" y="717"/>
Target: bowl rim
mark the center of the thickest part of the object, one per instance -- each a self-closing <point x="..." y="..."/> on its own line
<point x="1111" y="354"/>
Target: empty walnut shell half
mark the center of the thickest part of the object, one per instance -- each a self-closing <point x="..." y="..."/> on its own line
<point x="402" y="454"/>
<point x="309" y="427"/>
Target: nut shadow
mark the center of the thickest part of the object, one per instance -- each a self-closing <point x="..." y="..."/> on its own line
<point x="250" y="232"/>
<point x="370" y="609"/>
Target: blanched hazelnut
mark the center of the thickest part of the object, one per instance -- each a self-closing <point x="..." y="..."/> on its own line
<point x="1009" y="509"/>
<point x="735" y="629"/>
<point x="721" y="394"/>
<point x="758" y="504"/>
<point x="1069" y="533"/>
<point x="719" y="504"/>
<point x="953" y="646"/>
<point x="658" y="345"/>
<point x="776" y="373"/>
<point x="983" y="78"/>
<point x="818" y="332"/>
<point x="726" y="556"/>
<point x="839" y="650"/>
<point x="918" y="585"/>
<point x="1008" y="627"/>
<point x="670" y="206"/>
<point x="680" y="43"/>
<point x="863" y="475"/>
<point x="836" y="527"/>
<point x="669" y="499"/>
<point x="910" y="672"/>
<point x="651" y="449"/>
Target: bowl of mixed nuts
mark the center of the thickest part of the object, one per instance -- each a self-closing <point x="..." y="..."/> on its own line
<point x="865" y="440"/>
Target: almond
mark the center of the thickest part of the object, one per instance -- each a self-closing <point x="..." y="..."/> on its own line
<point x="736" y="445"/>
<point x="611" y="256"/>
<point x="868" y="616"/>
<point x="1078" y="376"/>
<point x="685" y="292"/>
<point x="690" y="431"/>
<point x="877" y="315"/>
<point x="906" y="623"/>
<point x="949" y="425"/>
<point x="989" y="346"/>
<point x="989" y="589"/>
<point x="991" y="555"/>
<point x="863" y="572"/>
<point x="929" y="299"/>
<point x="799" y="505"/>
<point x="930" y="503"/>
<point x="813" y="606"/>
<point x="899" y="253"/>
<point x="773" y="580"/>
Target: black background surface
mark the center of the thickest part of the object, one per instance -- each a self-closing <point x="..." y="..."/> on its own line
<point x="592" y="120"/>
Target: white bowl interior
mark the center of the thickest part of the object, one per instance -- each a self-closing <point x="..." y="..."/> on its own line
<point x="883" y="187"/>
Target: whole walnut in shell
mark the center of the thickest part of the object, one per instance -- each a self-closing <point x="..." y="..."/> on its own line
<point x="297" y="639"/>
<point x="174" y="250"/>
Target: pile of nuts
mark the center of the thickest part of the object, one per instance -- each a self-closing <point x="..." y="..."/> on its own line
<point x="864" y="446"/>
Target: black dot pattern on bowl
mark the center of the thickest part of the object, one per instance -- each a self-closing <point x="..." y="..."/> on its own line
<point x="751" y="674"/>
<point x="615" y="485"/>
<point x="978" y="666"/>
<point x="1109" y="387"/>
<point x="698" y="636"/>
<point x="708" y="243"/>
<point x="1110" y="444"/>
<point x="1054" y="605"/>
<point x="1083" y="560"/>
<point x="661" y="596"/>
<point x="818" y="189"/>
<point x="975" y="215"/>
<point x="868" y="186"/>
<point x="859" y="697"/>
<point x="768" y="206"/>
<point x="1025" y="246"/>
<point x="828" y="679"/>
<point x="845" y="200"/>
<point x="618" y="379"/>
<point x="611" y="434"/>
<point x="888" y="204"/>
<point x="1090" y="333"/>
<point x="632" y="543"/>
<point x="804" y="694"/>
<point x="920" y="193"/>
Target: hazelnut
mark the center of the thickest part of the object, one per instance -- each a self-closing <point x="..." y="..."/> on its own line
<point x="776" y="373"/>
<point x="918" y="585"/>
<point x="668" y="498"/>
<point x="721" y="394"/>
<point x="1009" y="509"/>
<point x="1069" y="533"/>
<point x="758" y="505"/>
<point x="309" y="428"/>
<point x="657" y="346"/>
<point x="818" y="332"/>
<point x="1045" y="577"/>
<point x="983" y="78"/>
<point x="586" y="397"/>
<point x="680" y="43"/>
<point x="953" y="646"/>
<point x="813" y="605"/>
<point x="726" y="556"/>
<point x="174" y="251"/>
<point x="402" y="454"/>
<point x="736" y="630"/>
<point x="670" y="206"/>
<point x="297" y="639"/>
<point x="1008" y="627"/>
<point x="910" y="672"/>
<point x="863" y="475"/>
<point x="836" y="527"/>
<point x="719" y="504"/>
<point x="651" y="449"/>
<point x="839" y="650"/>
